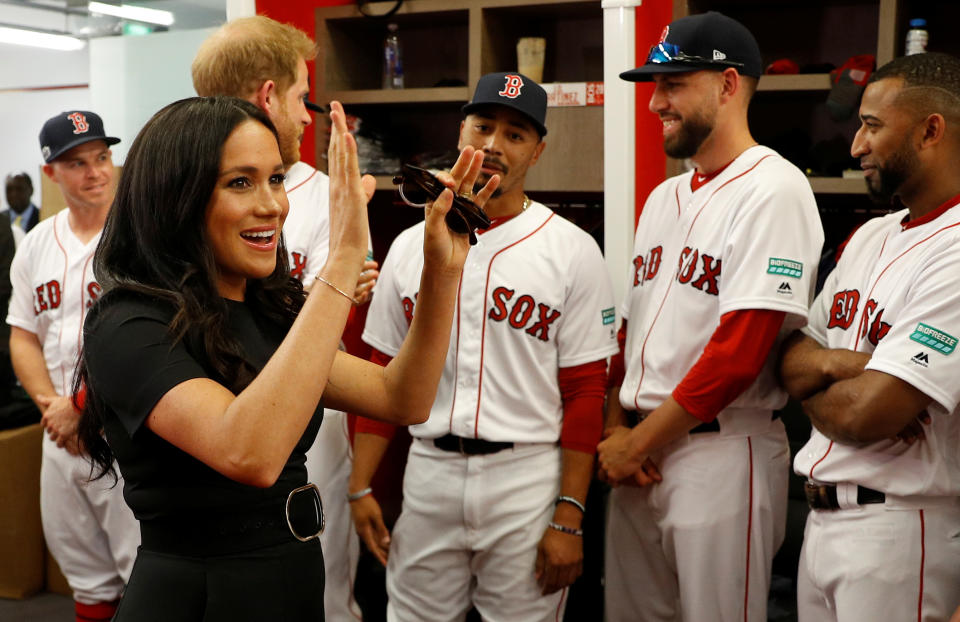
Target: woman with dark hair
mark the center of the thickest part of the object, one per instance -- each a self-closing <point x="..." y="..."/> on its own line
<point x="205" y="364"/>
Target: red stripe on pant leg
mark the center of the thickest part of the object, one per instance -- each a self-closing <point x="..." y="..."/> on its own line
<point x="746" y="586"/>
<point x="563" y="596"/>
<point x="923" y="555"/>
<point x="97" y="612"/>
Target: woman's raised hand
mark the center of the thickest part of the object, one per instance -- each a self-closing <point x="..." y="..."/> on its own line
<point x="442" y="248"/>
<point x="349" y="193"/>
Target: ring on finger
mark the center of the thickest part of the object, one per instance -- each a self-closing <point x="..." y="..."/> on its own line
<point x="465" y="195"/>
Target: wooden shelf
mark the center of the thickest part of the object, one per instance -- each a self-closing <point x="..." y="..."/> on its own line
<point x="401" y="96"/>
<point x="795" y="82"/>
<point x="837" y="185"/>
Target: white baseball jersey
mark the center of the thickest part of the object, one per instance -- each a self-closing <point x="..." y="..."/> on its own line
<point x="306" y="230"/>
<point x="89" y="528"/>
<point x="895" y="294"/>
<point x="534" y="297"/>
<point x="750" y="238"/>
<point x="53" y="287"/>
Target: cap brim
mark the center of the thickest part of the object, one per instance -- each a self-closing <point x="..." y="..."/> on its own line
<point x="646" y="73"/>
<point x="110" y="140"/>
<point x="314" y="107"/>
<point x="468" y="108"/>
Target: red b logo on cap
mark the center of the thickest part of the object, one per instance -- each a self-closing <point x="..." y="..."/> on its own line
<point x="512" y="86"/>
<point x="80" y="125"/>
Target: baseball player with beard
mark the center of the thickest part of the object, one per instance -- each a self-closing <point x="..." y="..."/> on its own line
<point x="88" y="528"/>
<point x="877" y="370"/>
<point x="725" y="261"/>
<point x="496" y="479"/>
<point x="265" y="62"/>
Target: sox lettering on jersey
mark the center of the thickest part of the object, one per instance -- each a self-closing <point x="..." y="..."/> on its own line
<point x="93" y="292"/>
<point x="46" y="297"/>
<point x="645" y="268"/>
<point x="408" y="305"/>
<point x="522" y="312"/>
<point x="512" y="86"/>
<point x="878" y="329"/>
<point x="299" y="263"/>
<point x="80" y="125"/>
<point x="709" y="268"/>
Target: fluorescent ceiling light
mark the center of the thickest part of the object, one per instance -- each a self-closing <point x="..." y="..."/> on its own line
<point x="18" y="36"/>
<point x="136" y="13"/>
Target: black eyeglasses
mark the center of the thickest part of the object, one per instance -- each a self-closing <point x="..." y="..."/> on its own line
<point x="664" y="52"/>
<point x="418" y="187"/>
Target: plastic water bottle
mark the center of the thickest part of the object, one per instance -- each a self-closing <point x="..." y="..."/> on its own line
<point x="917" y="36"/>
<point x="392" y="63"/>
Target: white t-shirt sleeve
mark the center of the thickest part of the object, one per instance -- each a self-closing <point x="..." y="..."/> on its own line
<point x="387" y="325"/>
<point x="588" y="327"/>
<point x="773" y="248"/>
<point x="20" y="313"/>
<point x="921" y="345"/>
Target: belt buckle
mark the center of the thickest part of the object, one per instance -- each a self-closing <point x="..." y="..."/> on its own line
<point x="463" y="452"/>
<point x="318" y="508"/>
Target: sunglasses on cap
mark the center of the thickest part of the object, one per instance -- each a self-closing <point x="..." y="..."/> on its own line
<point x="419" y="187"/>
<point x="664" y="52"/>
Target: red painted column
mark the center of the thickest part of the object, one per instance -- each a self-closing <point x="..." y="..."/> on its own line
<point x="300" y="14"/>
<point x="651" y="17"/>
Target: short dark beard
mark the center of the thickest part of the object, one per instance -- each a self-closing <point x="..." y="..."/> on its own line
<point x="890" y="178"/>
<point x="687" y="140"/>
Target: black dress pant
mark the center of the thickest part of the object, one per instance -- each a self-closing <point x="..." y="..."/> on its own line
<point x="280" y="583"/>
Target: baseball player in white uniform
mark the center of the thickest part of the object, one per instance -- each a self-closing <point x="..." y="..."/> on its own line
<point x="725" y="261"/>
<point x="877" y="371"/>
<point x="88" y="528"/>
<point x="234" y="61"/>
<point x="492" y="505"/>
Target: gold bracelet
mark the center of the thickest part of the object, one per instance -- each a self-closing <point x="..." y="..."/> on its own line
<point x="339" y="291"/>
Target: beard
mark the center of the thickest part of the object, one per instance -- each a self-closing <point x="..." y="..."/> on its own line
<point x="686" y="141"/>
<point x="290" y="147"/>
<point x="889" y="178"/>
<point x="483" y="178"/>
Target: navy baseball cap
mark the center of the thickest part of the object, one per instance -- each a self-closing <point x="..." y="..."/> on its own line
<point x="706" y="41"/>
<point x="70" y="129"/>
<point x="513" y="90"/>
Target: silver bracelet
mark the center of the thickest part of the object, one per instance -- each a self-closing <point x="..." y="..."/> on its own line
<point x="564" y="529"/>
<point x="340" y="291"/>
<point x="360" y="494"/>
<point x="572" y="501"/>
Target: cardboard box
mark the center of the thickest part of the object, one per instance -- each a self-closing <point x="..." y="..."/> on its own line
<point x="21" y="535"/>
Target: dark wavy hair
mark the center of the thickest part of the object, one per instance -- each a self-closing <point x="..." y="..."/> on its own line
<point x="154" y="245"/>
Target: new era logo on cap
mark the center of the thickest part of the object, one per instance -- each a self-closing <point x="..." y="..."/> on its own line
<point x="71" y="129"/>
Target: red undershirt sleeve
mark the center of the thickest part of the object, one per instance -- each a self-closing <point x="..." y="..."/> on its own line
<point x="730" y="363"/>
<point x="618" y="361"/>
<point x="372" y="426"/>
<point x="582" y="390"/>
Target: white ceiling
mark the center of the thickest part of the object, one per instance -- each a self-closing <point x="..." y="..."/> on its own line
<point x="71" y="16"/>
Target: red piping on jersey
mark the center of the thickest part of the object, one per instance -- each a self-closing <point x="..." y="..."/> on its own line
<point x="643" y="348"/>
<point x="303" y="182"/>
<point x="923" y="556"/>
<point x="483" y="330"/>
<point x="456" y="354"/>
<point x="746" y="582"/>
<point x="822" y="458"/>
<point x="66" y="265"/>
<point x="856" y="343"/>
<point x="83" y="278"/>
<point x="940" y="211"/>
<point x="676" y="194"/>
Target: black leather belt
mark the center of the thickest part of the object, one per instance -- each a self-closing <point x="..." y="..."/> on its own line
<point x="824" y="496"/>
<point x="470" y="446"/>
<point x="298" y="517"/>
